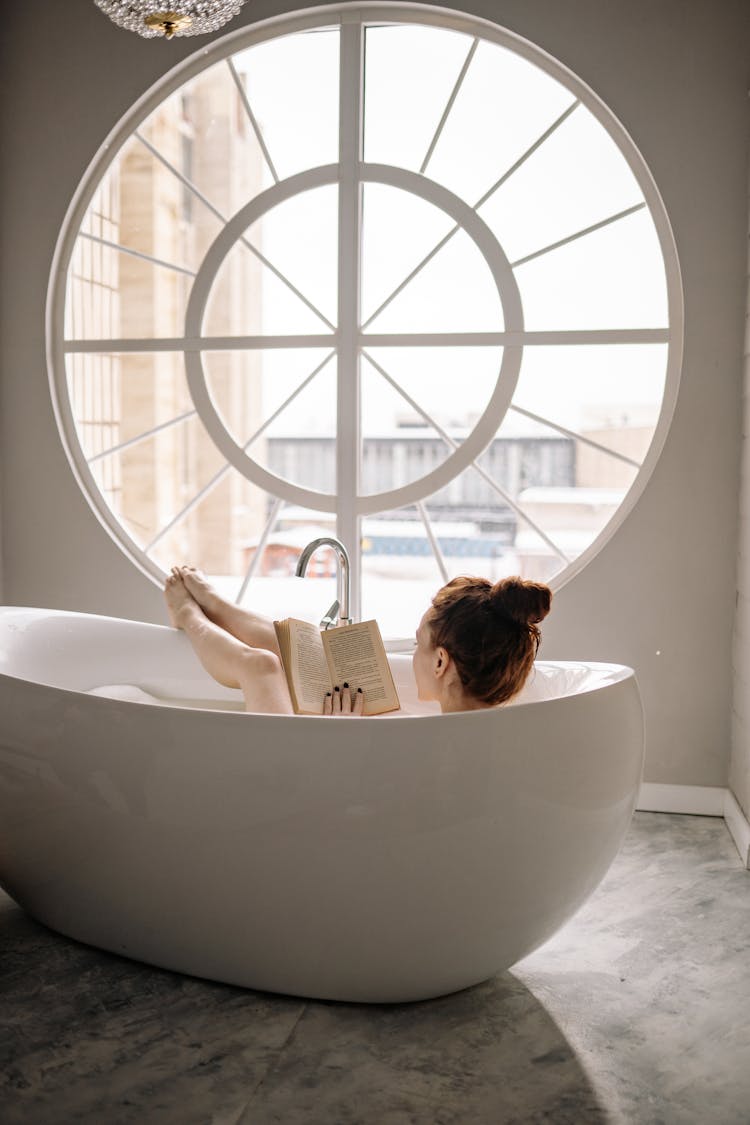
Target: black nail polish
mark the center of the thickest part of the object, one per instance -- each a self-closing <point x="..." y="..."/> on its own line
<point x="359" y="689"/>
<point x="328" y="695"/>
<point x="346" y="685"/>
<point x="336" y="688"/>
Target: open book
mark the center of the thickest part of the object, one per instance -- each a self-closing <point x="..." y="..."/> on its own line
<point x="315" y="661"/>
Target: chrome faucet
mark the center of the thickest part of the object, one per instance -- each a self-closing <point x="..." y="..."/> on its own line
<point x="338" y="614"/>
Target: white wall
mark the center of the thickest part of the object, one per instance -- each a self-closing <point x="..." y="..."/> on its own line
<point x="675" y="73"/>
<point x="739" y="766"/>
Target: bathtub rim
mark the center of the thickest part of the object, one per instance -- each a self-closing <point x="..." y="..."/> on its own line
<point x="612" y="673"/>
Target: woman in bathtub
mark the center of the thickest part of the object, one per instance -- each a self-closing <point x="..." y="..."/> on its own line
<point x="475" y="645"/>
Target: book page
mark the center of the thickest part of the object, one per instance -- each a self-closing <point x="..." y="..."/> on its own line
<point x="304" y="663"/>
<point x="356" y="656"/>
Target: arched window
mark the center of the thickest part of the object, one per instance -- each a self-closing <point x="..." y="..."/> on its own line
<point x="393" y="274"/>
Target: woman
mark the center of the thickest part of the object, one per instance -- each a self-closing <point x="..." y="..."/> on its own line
<point x="475" y="645"/>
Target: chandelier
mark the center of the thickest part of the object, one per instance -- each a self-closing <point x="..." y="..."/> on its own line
<point x="152" y="18"/>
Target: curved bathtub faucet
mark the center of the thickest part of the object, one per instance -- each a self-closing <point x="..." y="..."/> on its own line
<point x="338" y="614"/>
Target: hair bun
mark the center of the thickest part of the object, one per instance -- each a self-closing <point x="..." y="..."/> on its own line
<point x="524" y="602"/>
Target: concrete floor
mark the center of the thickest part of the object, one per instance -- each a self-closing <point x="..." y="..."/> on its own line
<point x="638" y="1011"/>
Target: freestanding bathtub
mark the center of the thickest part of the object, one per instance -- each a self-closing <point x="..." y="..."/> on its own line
<point x="383" y="859"/>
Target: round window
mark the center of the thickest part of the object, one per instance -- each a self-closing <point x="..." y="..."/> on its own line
<point x="391" y="274"/>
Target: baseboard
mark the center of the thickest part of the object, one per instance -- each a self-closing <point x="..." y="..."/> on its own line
<point x="738" y="826"/>
<point x="699" y="800"/>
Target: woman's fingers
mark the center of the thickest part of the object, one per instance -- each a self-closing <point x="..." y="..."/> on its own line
<point x="332" y="704"/>
<point x="344" y="701"/>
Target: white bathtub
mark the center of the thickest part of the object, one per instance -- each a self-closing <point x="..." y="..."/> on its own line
<point x="383" y="859"/>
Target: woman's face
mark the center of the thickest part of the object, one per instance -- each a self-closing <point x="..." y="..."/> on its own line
<point x="423" y="659"/>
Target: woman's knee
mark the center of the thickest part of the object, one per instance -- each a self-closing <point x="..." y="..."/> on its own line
<point x="263" y="682"/>
<point x="259" y="664"/>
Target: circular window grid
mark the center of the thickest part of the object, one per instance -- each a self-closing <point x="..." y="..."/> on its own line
<point x="654" y="324"/>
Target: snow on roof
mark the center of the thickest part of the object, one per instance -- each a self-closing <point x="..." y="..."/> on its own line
<point x="565" y="494"/>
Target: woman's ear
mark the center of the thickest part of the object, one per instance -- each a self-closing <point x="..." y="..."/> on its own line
<point x="441" y="662"/>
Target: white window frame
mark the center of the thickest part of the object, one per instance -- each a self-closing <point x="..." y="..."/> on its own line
<point x="351" y="340"/>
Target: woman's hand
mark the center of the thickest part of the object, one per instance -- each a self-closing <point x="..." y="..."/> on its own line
<point x="344" y="701"/>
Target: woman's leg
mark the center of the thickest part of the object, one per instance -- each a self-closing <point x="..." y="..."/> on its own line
<point x="251" y="628"/>
<point x="256" y="671"/>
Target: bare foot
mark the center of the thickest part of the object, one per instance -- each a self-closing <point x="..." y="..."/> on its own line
<point x="253" y="629"/>
<point x="180" y="602"/>
<point x="201" y="589"/>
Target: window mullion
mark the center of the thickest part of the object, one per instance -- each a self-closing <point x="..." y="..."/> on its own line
<point x="348" y="425"/>
<point x="188" y="508"/>
<point x="433" y="540"/>
<point x="260" y="548"/>
<point x="449" y="105"/>
<point x="110" y="452"/>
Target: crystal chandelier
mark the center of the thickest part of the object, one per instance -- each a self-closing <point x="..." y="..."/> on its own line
<point x="152" y="18"/>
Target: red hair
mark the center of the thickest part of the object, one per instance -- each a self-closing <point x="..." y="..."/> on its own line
<point x="490" y="631"/>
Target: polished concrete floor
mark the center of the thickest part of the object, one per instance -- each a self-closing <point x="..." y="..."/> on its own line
<point x="638" y="1011"/>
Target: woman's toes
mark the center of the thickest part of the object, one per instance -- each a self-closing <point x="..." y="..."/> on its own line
<point x="201" y="589"/>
